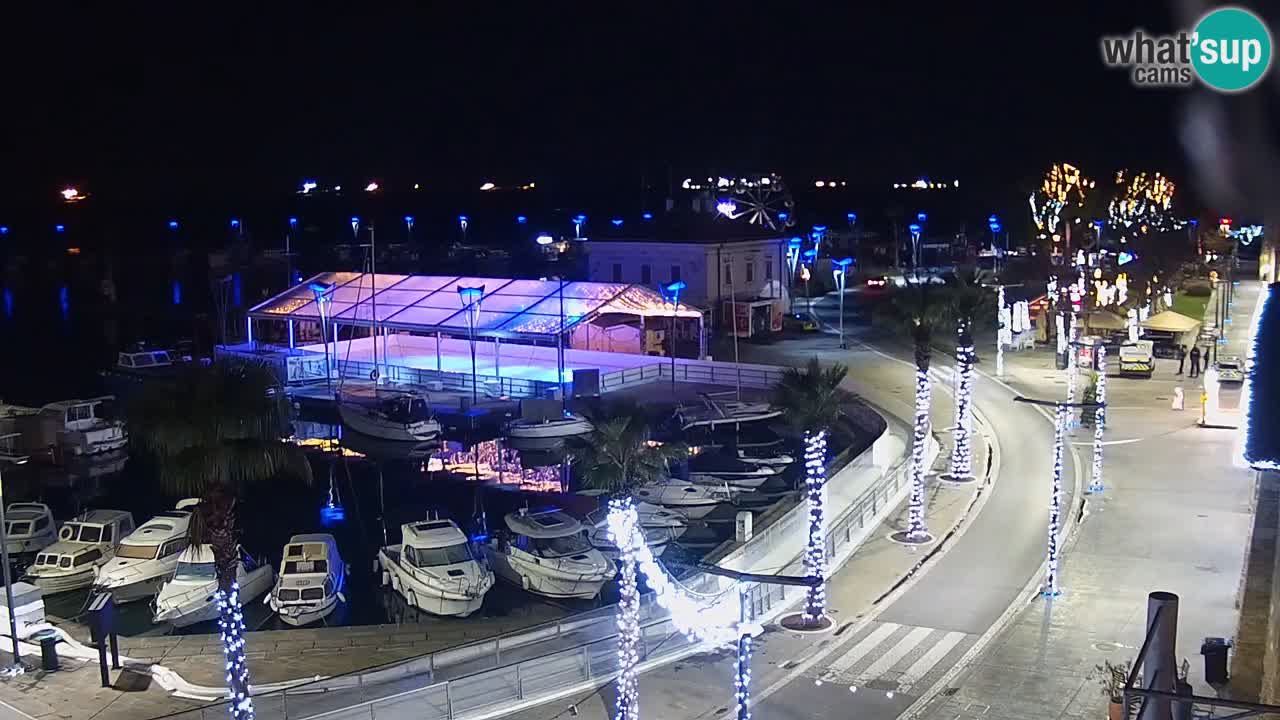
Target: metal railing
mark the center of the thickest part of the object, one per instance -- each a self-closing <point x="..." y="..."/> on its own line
<point x="707" y="372"/>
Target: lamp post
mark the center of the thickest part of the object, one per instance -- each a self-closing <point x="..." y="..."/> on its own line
<point x="471" y="298"/>
<point x="1050" y="588"/>
<point x="322" y="292"/>
<point x="840" y="268"/>
<point x="810" y="256"/>
<point x="408" y="228"/>
<point x="793" y="259"/>
<point x="16" y="668"/>
<point x="915" y="229"/>
<point x="578" y="222"/>
<point x="673" y="293"/>
<point x="819" y="232"/>
<point x="993" y="224"/>
<point x="852" y="217"/>
<point x="463" y="222"/>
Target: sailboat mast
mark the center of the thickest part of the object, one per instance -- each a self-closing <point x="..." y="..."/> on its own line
<point x="373" y="302"/>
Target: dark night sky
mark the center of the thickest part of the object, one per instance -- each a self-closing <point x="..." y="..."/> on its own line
<point x="168" y="101"/>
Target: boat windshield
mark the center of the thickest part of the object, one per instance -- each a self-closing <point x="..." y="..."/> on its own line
<point x="90" y="534"/>
<point x="406" y="409"/>
<point x="20" y="528"/>
<point x="195" y="571"/>
<point x="303" y="567"/>
<point x="561" y="546"/>
<point x="137" y="552"/>
<point x="447" y="555"/>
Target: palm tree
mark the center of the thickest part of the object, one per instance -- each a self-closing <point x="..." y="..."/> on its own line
<point x="916" y="310"/>
<point x="618" y="454"/>
<point x="214" y="432"/>
<point x="964" y="303"/>
<point x="812" y="399"/>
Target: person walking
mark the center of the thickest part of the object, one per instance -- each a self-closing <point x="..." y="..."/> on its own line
<point x="1182" y="358"/>
<point x="1195" y="361"/>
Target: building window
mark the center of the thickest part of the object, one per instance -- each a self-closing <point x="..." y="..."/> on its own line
<point x="751" y="270"/>
<point x="646" y="274"/>
<point x="768" y="268"/>
<point x="617" y="272"/>
<point x="675" y="273"/>
<point x="728" y="273"/>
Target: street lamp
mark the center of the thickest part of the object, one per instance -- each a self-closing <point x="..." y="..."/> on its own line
<point x="408" y="227"/>
<point x="672" y="291"/>
<point x="819" y="232"/>
<point x="463" y="221"/>
<point x="16" y="668"/>
<point x="578" y="221"/>
<point x="915" y="229"/>
<point x="793" y="259"/>
<point x="323" y="293"/>
<point x="839" y="268"/>
<point x="810" y="256"/>
<point x="471" y="298"/>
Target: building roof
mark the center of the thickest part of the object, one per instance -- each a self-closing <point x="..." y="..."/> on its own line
<point x="684" y="226"/>
<point x="431" y="303"/>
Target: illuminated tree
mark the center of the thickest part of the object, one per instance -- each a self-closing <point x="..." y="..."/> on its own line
<point x="1142" y="204"/>
<point x="965" y="303"/>
<point x="1059" y="203"/>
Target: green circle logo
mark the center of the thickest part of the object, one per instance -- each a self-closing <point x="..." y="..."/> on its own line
<point x="1231" y="49"/>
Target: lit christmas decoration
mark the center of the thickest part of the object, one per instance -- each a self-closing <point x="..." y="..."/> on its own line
<point x="815" y="553"/>
<point x="1073" y="362"/>
<point x="1142" y="203"/>
<point x="1099" y="420"/>
<point x="1006" y="321"/>
<point x="962" y="450"/>
<point x="917" y="531"/>
<point x="1062" y="332"/>
<point x="1055" y="503"/>
<point x="742" y="671"/>
<point x="231" y="627"/>
<point x="628" y="705"/>
<point x="1063" y="187"/>
<point x="1133" y="325"/>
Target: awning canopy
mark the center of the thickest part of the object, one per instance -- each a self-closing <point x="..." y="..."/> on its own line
<point x="433" y="303"/>
<point x="1170" y="321"/>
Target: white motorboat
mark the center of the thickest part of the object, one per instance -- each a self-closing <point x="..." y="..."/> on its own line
<point x="692" y="501"/>
<point x="312" y="576"/>
<point x="434" y="569"/>
<point x="569" y="425"/>
<point x="548" y="554"/>
<point x="780" y="460"/>
<point x="652" y="516"/>
<point x="83" y="545"/>
<point x="657" y="538"/>
<point x="189" y="597"/>
<point x="30" y="528"/>
<point x="389" y="415"/>
<point x="715" y="413"/>
<point x="79" y="427"/>
<point x="148" y="556"/>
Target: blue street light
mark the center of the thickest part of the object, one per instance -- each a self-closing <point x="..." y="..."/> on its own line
<point x="59" y="228"/>
<point x="914" y="228"/>
<point x="1193" y="222"/>
<point x="647" y="216"/>
<point x="173" y="224"/>
<point x="819" y="229"/>
<point x="671" y="291"/>
<point x="521" y="219"/>
<point x="992" y="219"/>
<point x="810" y="254"/>
<point x="922" y="217"/>
<point x="408" y="220"/>
<point x="839" y="269"/>
<point x="617" y="222"/>
<point x="851" y="217"/>
<point x="4" y="229"/>
<point x="995" y="227"/>
<point x="783" y="215"/>
<point x="293" y="222"/>
<point x="235" y="223"/>
<point x="355" y="224"/>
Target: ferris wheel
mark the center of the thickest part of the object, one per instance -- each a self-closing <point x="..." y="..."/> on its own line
<point x="761" y="200"/>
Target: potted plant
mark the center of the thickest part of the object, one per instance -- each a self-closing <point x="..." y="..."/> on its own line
<point x="1112" y="676"/>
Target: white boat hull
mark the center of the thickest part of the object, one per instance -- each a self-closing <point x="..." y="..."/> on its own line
<point x="738" y="481"/>
<point x="544" y="580"/>
<point x="52" y="584"/>
<point x="299" y="614"/>
<point x="198" y="605"/>
<point x="358" y="419"/>
<point x="693" y="512"/>
<point x="137" y="590"/>
<point x="426" y="597"/>
<point x="567" y="427"/>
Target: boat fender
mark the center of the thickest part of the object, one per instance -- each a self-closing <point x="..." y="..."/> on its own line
<point x="395" y="583"/>
<point x="377" y="564"/>
<point x="386" y="578"/>
<point x="524" y="582"/>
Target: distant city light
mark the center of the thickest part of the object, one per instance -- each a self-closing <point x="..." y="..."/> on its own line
<point x="521" y="219"/>
<point x="647" y="216"/>
<point x="59" y="228"/>
<point x="417" y="186"/>
<point x="488" y="186"/>
<point x="545" y="239"/>
<point x="371" y="187"/>
<point x="337" y="188"/>
<point x="308" y="186"/>
<point x="71" y="194"/>
<point x="235" y="222"/>
<point x="4" y="229"/>
<point x="819" y="183"/>
<point x="173" y="224"/>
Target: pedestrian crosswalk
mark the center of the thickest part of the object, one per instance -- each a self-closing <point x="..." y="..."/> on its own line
<point x="889" y="656"/>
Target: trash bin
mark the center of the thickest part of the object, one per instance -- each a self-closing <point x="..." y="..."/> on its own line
<point x="1214" y="650"/>
<point x="48" y="649"/>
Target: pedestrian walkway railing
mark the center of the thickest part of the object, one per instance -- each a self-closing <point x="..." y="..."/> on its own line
<point x="705" y="372"/>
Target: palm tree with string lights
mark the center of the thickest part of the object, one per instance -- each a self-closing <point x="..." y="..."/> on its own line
<point x="812" y="400"/>
<point x="964" y="303"/>
<point x="619" y="454"/>
<point x="216" y="432"/>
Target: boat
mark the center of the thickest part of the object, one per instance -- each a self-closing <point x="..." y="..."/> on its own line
<point x="692" y="501"/>
<point x="189" y="597"/>
<point x="714" y="413"/>
<point x="83" y="545"/>
<point x="547" y="553"/>
<point x="386" y="414"/>
<point x="434" y="569"/>
<point x="312" y="576"/>
<point x="148" y="556"/>
<point x="568" y="425"/>
<point x="30" y="528"/>
<point x="657" y="538"/>
<point x="715" y="469"/>
<point x="78" y="427"/>
<point x="777" y="460"/>
<point x="651" y="516"/>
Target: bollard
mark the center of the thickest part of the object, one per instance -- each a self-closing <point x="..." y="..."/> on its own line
<point x="1178" y="400"/>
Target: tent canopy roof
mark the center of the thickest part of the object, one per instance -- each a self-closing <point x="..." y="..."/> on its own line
<point x="433" y="303"/>
<point x="1105" y="320"/>
<point x="1170" y="321"/>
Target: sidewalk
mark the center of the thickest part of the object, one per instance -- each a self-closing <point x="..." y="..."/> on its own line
<point x="1175" y="516"/>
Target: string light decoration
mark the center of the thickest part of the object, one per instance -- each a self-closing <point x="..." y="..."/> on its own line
<point x="1063" y="187"/>
<point x="1133" y="325"/>
<point x="962" y="449"/>
<point x="742" y="666"/>
<point x="231" y="627"/>
<point x="917" y="530"/>
<point x="815" y="553"/>
<point x="1006" y="321"/>
<point x="1099" y="420"/>
<point x="628" y="703"/>
<point x="1073" y="362"/>
<point x="1142" y="204"/>
<point x="1050" y="588"/>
